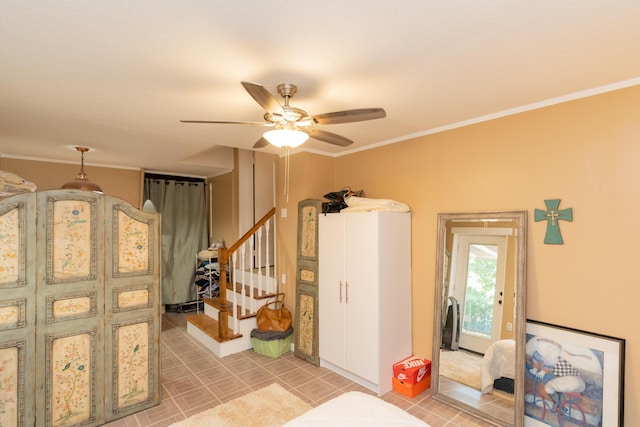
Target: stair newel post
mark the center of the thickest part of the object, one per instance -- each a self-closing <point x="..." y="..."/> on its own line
<point x="223" y="317"/>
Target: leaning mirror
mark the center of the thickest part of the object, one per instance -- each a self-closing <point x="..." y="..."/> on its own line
<point x="479" y="314"/>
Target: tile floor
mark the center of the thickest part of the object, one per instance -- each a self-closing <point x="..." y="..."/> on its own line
<point x="499" y="407"/>
<point x="194" y="380"/>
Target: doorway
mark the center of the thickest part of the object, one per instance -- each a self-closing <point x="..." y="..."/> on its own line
<point x="478" y="279"/>
<point x="256" y="196"/>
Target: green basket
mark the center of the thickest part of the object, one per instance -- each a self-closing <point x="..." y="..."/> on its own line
<point x="272" y="348"/>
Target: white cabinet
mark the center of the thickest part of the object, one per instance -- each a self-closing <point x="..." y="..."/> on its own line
<point x="365" y="294"/>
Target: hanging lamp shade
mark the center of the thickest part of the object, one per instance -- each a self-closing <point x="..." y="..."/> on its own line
<point x="82" y="182"/>
<point x="286" y="137"/>
<point x="149" y="207"/>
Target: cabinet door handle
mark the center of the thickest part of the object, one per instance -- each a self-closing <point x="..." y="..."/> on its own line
<point x="340" y="296"/>
<point x="346" y="291"/>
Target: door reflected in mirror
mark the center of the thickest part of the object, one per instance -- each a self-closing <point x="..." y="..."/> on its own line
<point x="479" y="314"/>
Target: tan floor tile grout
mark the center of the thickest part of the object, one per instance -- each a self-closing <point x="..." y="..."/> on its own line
<point x="313" y="384"/>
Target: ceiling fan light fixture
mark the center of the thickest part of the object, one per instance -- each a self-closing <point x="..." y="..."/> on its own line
<point x="286" y="137"/>
<point x="82" y="182"/>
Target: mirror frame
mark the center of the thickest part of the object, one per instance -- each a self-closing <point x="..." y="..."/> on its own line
<point x="520" y="319"/>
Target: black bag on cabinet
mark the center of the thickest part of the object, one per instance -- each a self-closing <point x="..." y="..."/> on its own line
<point x="337" y="199"/>
<point x="332" y="207"/>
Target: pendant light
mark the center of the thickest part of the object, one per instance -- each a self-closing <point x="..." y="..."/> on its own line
<point x="82" y="182"/>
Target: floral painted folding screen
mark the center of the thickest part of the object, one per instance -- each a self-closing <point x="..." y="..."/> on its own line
<point x="72" y="239"/>
<point x="70" y="378"/>
<point x="17" y="324"/>
<point x="94" y="321"/>
<point x="133" y="245"/>
<point x="10" y="244"/>
<point x="132" y="302"/>
<point x="9" y="380"/>
<point x="133" y="353"/>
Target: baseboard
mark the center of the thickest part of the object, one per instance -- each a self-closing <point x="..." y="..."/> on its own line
<point x="355" y="378"/>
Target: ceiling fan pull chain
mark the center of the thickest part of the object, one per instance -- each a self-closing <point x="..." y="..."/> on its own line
<point x="286" y="174"/>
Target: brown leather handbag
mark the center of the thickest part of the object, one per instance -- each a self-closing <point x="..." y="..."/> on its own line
<point x="274" y="316"/>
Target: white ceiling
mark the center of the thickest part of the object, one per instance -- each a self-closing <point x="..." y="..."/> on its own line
<point x="118" y="75"/>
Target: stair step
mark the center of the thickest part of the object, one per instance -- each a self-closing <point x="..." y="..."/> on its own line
<point x="247" y="291"/>
<point x="217" y="304"/>
<point x="210" y="327"/>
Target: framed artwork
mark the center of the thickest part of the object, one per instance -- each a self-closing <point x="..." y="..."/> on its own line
<point x="572" y="377"/>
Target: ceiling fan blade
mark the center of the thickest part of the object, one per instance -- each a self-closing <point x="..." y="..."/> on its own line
<point x="350" y="116"/>
<point x="225" y="122"/>
<point x="329" y="137"/>
<point x="261" y="143"/>
<point x="263" y="97"/>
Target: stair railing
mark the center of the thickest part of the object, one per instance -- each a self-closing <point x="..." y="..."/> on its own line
<point x="229" y="258"/>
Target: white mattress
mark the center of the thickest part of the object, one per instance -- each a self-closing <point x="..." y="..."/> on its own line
<point x="355" y="409"/>
<point x="499" y="361"/>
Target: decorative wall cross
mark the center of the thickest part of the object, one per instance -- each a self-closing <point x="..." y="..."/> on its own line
<point x="553" y="215"/>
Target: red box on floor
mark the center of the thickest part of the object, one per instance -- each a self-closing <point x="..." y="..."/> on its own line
<point x="411" y="390"/>
<point x="412" y="370"/>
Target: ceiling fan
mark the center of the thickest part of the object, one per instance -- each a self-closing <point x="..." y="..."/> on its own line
<point x="294" y="121"/>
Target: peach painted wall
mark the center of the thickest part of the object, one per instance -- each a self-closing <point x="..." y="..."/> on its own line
<point x="311" y="176"/>
<point x="125" y="184"/>
<point x="223" y="225"/>
<point x="585" y="152"/>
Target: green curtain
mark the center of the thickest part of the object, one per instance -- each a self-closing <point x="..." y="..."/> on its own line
<point x="182" y="206"/>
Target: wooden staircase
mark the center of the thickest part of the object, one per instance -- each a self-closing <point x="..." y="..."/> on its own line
<point x="225" y="324"/>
